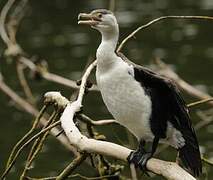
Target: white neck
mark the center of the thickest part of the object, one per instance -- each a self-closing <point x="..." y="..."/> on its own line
<point x="106" y="51"/>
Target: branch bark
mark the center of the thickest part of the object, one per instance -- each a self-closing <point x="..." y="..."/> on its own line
<point x="169" y="170"/>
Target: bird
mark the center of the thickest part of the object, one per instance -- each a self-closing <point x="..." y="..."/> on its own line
<point x="148" y="104"/>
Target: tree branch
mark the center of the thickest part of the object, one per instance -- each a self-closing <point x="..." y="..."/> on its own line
<point x="33" y="111"/>
<point x="169" y="170"/>
<point x="158" y="20"/>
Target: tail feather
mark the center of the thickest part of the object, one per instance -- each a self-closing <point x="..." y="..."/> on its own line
<point x="190" y="156"/>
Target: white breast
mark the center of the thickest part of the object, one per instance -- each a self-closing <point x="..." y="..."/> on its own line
<point x="125" y="98"/>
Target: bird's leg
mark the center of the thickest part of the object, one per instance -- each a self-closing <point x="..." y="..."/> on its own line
<point x="141" y="156"/>
<point x="135" y="156"/>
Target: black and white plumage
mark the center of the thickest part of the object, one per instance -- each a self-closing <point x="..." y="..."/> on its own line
<point x="149" y="105"/>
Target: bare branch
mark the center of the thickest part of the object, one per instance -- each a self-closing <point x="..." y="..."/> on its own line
<point x="207" y="161"/>
<point x="15" y="18"/>
<point x="112" y="5"/>
<point x="158" y="20"/>
<point x="88" y="120"/>
<point x="169" y="170"/>
<point x="24" y="145"/>
<point x="27" y="134"/>
<point x="33" y="111"/>
<point x="38" y="144"/>
<point x="168" y="72"/>
<point x="72" y="166"/>
<point x="53" y="77"/>
<point x="3" y="16"/>
<point x="133" y="171"/>
<point x="12" y="48"/>
<point x="24" y="84"/>
<point x="84" y="81"/>
<point x="199" y="102"/>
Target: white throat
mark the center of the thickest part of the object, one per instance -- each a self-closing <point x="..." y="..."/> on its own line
<point x="106" y="51"/>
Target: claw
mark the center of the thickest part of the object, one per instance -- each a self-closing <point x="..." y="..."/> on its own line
<point x="142" y="162"/>
<point x="139" y="158"/>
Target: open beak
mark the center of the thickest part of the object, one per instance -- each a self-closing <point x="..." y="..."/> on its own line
<point x="88" y="19"/>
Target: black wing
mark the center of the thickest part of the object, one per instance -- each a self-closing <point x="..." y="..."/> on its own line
<point x="168" y="105"/>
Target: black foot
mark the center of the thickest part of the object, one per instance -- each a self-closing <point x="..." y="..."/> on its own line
<point x="139" y="159"/>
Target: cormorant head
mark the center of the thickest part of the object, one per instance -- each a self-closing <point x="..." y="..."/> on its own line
<point x="101" y="19"/>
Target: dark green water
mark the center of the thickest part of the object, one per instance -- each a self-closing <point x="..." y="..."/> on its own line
<point x="50" y="31"/>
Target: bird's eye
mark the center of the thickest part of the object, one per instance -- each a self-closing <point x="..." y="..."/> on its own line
<point x="99" y="15"/>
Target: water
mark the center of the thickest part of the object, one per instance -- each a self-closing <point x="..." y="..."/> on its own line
<point x="50" y="30"/>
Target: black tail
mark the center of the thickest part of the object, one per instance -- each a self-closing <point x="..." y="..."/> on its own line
<point x="190" y="156"/>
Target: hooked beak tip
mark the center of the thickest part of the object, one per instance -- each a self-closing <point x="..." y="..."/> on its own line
<point x="81" y="15"/>
<point x="87" y="19"/>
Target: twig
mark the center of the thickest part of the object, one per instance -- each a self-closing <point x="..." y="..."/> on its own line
<point x="84" y="81"/>
<point x="15" y="18"/>
<point x="46" y="178"/>
<point x="88" y="120"/>
<point x="199" y="102"/>
<point x="93" y="178"/>
<point x="27" y="134"/>
<point x="202" y="124"/>
<point x="38" y="144"/>
<point x="166" y="71"/>
<point x="158" y="20"/>
<point x="33" y="111"/>
<point x="207" y="161"/>
<point x="13" y="49"/>
<point x="24" y="84"/>
<point x="53" y="77"/>
<point x="25" y="144"/>
<point x="72" y="166"/>
<point x="64" y="81"/>
<point x="133" y="171"/>
<point x="3" y="16"/>
<point x="112" y="5"/>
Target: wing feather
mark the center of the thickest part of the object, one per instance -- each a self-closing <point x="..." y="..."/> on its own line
<point x="168" y="105"/>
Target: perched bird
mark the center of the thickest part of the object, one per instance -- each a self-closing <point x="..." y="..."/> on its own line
<point x="148" y="104"/>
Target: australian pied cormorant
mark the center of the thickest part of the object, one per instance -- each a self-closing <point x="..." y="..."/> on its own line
<point x="149" y="105"/>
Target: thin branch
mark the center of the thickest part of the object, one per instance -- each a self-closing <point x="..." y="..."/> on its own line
<point x="202" y="124"/>
<point x="93" y="178"/>
<point x="84" y="81"/>
<point x="164" y="69"/>
<point x="88" y="120"/>
<point x="133" y="171"/>
<point x="27" y="134"/>
<point x="12" y="48"/>
<point x="199" y="102"/>
<point x="3" y="16"/>
<point x="15" y="18"/>
<point x="207" y="161"/>
<point x="33" y="111"/>
<point x="64" y="81"/>
<point x="112" y="5"/>
<point x="25" y="144"/>
<point x="38" y="144"/>
<point x="24" y="84"/>
<point x="46" y="178"/>
<point x="53" y="77"/>
<point x="158" y="20"/>
<point x="72" y="166"/>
